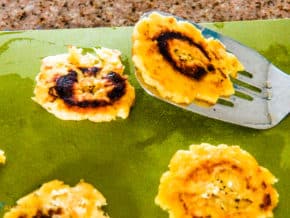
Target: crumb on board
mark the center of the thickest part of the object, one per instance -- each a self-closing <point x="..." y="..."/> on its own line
<point x="2" y="157"/>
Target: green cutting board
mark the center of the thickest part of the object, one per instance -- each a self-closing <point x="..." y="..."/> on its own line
<point x="124" y="159"/>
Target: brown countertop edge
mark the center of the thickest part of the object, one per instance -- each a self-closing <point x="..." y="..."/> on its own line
<point x="59" y="14"/>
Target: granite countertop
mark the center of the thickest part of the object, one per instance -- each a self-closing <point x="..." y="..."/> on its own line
<point x="41" y="14"/>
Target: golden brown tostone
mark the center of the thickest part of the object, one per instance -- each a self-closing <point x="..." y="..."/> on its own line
<point x="174" y="58"/>
<point x="218" y="182"/>
<point x="78" y="86"/>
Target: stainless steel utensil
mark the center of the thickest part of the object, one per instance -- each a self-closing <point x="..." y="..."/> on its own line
<point x="262" y="97"/>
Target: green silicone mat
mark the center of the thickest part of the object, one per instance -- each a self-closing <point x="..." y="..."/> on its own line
<point x="124" y="159"/>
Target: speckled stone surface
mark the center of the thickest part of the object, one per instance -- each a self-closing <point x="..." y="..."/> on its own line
<point x="41" y="14"/>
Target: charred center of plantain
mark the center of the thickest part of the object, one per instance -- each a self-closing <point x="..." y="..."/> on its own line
<point x="65" y="88"/>
<point x="185" y="55"/>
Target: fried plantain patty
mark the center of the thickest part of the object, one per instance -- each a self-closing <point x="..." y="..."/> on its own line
<point x="55" y="199"/>
<point x="217" y="182"/>
<point x="78" y="86"/>
<point x="180" y="63"/>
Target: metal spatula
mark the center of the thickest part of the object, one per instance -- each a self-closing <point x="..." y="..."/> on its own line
<point x="262" y="97"/>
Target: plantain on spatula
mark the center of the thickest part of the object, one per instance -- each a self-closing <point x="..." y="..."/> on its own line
<point x="262" y="91"/>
